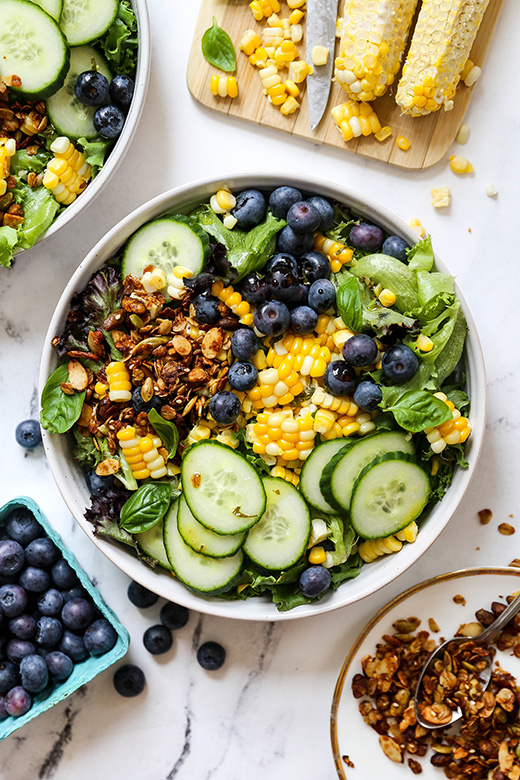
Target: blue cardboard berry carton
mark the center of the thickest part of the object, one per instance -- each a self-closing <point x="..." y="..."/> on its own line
<point x="83" y="671"/>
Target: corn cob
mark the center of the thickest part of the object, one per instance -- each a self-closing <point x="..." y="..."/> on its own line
<point x="338" y="253"/>
<point x="354" y="119"/>
<point x="283" y="435"/>
<point x="441" y="43"/>
<point x="454" y="431"/>
<point x="372" y="44"/>
<point x="67" y="174"/>
<point x="120" y="387"/>
<point x="233" y="301"/>
<point x="7" y="149"/>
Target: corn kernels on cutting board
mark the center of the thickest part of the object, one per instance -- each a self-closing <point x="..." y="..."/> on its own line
<point x="430" y="136"/>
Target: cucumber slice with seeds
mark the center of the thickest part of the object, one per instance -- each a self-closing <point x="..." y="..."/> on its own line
<point x="202" y="540"/>
<point x="221" y="488"/>
<point x="151" y="543"/>
<point x="53" y="7"/>
<point x="314" y="469"/>
<point x="85" y="20"/>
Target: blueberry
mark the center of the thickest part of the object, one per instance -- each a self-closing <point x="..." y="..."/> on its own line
<point x="253" y="289"/>
<point x="73" y="646"/>
<point x="322" y="295"/>
<point x="12" y="557"/>
<point x="314" y="581"/>
<point x="206" y="309"/>
<point x="8" y="676"/>
<point x="144" y="406"/>
<point x="34" y="580"/>
<point x="314" y="265"/>
<point x="3" y="712"/>
<point x="303" y="217"/>
<point x="48" y="631"/>
<point x="50" y="602"/>
<point x="22" y="626"/>
<point x="157" y="639"/>
<point x="326" y="212"/>
<point x="140" y="596"/>
<point x="28" y="434"/>
<point x="249" y="210"/>
<point x="121" y="90"/>
<point x="283" y="285"/>
<point x="294" y="243"/>
<point x="242" y="376"/>
<point x="41" y="552"/>
<point x="360" y="350"/>
<point x="281" y="262"/>
<point x="100" y="637"/>
<point x="109" y="121"/>
<point x="399" y="363"/>
<point x="282" y="198"/>
<point x="13" y="600"/>
<point x="395" y="246"/>
<point x="96" y="484"/>
<point x="23" y="527"/>
<point x="301" y="296"/>
<point x="173" y="616"/>
<point x="339" y="378"/>
<point x="59" y="665"/>
<point x="272" y="318"/>
<point x="224" y="407"/>
<point x="63" y="575"/>
<point x="244" y="344"/>
<point x="368" y="395"/>
<point x="366" y="237"/>
<point x="77" y="614"/>
<point x="211" y="656"/>
<point x="77" y="592"/>
<point x="91" y="88"/>
<point x="34" y="673"/>
<point x="129" y="680"/>
<point x="17" y="649"/>
<point x="18" y="701"/>
<point x="303" y="319"/>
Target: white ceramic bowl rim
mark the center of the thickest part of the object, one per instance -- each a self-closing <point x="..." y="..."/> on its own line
<point x="71" y="482"/>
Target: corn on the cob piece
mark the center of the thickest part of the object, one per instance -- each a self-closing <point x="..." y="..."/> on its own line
<point x="67" y="174"/>
<point x="332" y="425"/>
<point x="119" y="384"/>
<point x="280" y="434"/>
<point x="339" y="254"/>
<point x="233" y="301"/>
<point x="454" y="431"/>
<point x="129" y="442"/>
<point x="372" y="43"/>
<point x="371" y="549"/>
<point x="155" y="461"/>
<point x="441" y="43"/>
<point x="7" y="150"/>
<point x="223" y="86"/>
<point x="310" y="357"/>
<point x="354" y="119"/>
<point x="277" y="385"/>
<point x="334" y="403"/>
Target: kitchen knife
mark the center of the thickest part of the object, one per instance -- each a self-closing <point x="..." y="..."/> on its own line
<point x="321" y="31"/>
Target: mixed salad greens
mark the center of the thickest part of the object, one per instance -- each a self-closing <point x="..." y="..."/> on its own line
<point x="264" y="395"/>
<point x="56" y="126"/>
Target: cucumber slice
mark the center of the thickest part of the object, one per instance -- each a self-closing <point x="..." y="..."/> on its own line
<point x="151" y="543"/>
<point x="67" y="114"/>
<point x="221" y="488"/>
<point x="85" y="20"/>
<point x="202" y="540"/>
<point x="329" y="470"/>
<point x="33" y="47"/>
<point x="313" y="471"/>
<point x="165" y="243"/>
<point x="363" y="451"/>
<point x="198" y="572"/>
<point x="280" y="538"/>
<point x="53" y="7"/>
<point x="389" y="493"/>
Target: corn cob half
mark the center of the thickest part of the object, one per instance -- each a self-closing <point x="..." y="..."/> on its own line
<point x="373" y="38"/>
<point x="440" y="47"/>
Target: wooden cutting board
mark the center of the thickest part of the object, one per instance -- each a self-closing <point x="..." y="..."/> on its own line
<point x="430" y="136"/>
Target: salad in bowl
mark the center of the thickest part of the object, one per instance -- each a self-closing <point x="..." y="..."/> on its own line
<point x="73" y="78"/>
<point x="264" y="389"/>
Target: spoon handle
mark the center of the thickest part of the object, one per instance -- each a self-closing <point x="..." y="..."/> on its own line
<point x="502" y="620"/>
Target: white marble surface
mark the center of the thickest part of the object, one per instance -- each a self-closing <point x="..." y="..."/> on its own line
<point x="265" y="715"/>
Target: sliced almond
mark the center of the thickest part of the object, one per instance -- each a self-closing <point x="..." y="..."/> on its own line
<point x="78" y="377"/>
<point x="107" y="467"/>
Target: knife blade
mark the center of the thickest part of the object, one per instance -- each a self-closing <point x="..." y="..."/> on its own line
<point x="321" y="31"/>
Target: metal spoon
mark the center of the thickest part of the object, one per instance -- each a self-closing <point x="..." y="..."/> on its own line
<point x="485" y="638"/>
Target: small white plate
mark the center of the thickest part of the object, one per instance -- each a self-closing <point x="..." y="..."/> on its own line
<point x="351" y="736"/>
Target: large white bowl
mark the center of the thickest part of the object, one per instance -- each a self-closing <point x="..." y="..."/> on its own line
<point x="69" y="477"/>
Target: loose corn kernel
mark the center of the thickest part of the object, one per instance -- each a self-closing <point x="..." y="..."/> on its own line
<point x="403" y="143"/>
<point x="384" y="133"/>
<point x="319" y="55"/>
<point x="198" y="433"/>
<point x="415" y="224"/>
<point x="387" y="297"/>
<point x="460" y="164"/>
<point x="299" y="70"/>
<point x="424" y="343"/>
<point x="222" y="201"/>
<point x="408" y="534"/>
<point x="317" y="556"/>
<point x="100" y="389"/>
<point x="249" y="42"/>
<point x="289" y="106"/>
<point x="491" y="191"/>
<point x="470" y="73"/>
<point x="462" y="136"/>
<point x="296" y="16"/>
<point x="441" y="197"/>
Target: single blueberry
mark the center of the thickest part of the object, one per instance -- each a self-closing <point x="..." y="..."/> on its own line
<point x="294" y="243"/>
<point x="224" y="407"/>
<point x="8" y="676"/>
<point x="73" y="645"/>
<point x="303" y="217"/>
<point x="314" y="265"/>
<point x="366" y="237"/>
<point x="157" y="639"/>
<point x="395" y="246"/>
<point x="144" y="406"/>
<point x="206" y="309"/>
<point x="91" y="88"/>
<point x="18" y="701"/>
<point x="22" y="626"/>
<point x="129" y="680"/>
<point x="109" y="121"/>
<point x="211" y="656"/>
<point x="60" y="666"/>
<point x="77" y="592"/>
<point x="326" y="212"/>
<point x="34" y="673"/>
<point x="314" y="581"/>
<point x="303" y="319"/>
<point x="48" y="631"/>
<point x="242" y="376"/>
<point x="249" y="209"/>
<point x="63" y="575"/>
<point x="77" y="614"/>
<point x="121" y="90"/>
<point x="368" y="395"/>
<point x="34" y="580"/>
<point x="253" y="289"/>
<point x="301" y="296"/>
<point x="28" y="434"/>
<point x="100" y="637"/>
<point x="96" y="484"/>
<point x="282" y="198"/>
<point x="23" y="527"/>
<point x="140" y="596"/>
<point x="339" y="378"/>
<point x="16" y="649"/>
<point x="244" y="344"/>
<point x="173" y="616"/>
<point x="360" y="350"/>
<point x="12" y="557"/>
<point x="322" y="295"/>
<point x="13" y="599"/>
<point x="281" y="262"/>
<point x="41" y="553"/>
<point x="283" y="285"/>
<point x="399" y="363"/>
<point x="272" y="318"/>
<point x="50" y="602"/>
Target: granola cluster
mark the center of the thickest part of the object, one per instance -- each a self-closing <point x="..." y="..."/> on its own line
<point x="485" y="744"/>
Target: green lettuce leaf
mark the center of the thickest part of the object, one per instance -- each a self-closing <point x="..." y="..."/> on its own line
<point x="119" y="43"/>
<point x="95" y="152"/>
<point x="86" y="452"/>
<point x="391" y="274"/>
<point x="8" y="240"/>
<point x="23" y="161"/>
<point x="342" y="537"/>
<point x="39" y="208"/>
<point x="420" y="255"/>
<point x="346" y="571"/>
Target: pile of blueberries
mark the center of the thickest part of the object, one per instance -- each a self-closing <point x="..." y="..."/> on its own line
<point x="48" y="621"/>
<point x="93" y="89"/>
<point x="293" y="290"/>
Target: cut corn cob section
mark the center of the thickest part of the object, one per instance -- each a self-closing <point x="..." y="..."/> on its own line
<point x="282" y="434"/>
<point x="372" y="43"/>
<point x="441" y="43"/>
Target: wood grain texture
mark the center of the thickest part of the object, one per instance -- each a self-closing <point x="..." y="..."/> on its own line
<point x="430" y="136"/>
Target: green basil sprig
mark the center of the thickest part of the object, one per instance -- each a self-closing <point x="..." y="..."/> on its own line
<point x="348" y="301"/>
<point x="166" y="430"/>
<point x="218" y="49"/>
<point x="416" y="410"/>
<point x="146" y="507"/>
<point x="59" y="410"/>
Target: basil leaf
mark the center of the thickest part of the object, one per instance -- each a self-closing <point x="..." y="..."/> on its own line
<point x="59" y="410"/>
<point x="146" y="507"/>
<point x="416" y="410"/>
<point x="166" y="430"/>
<point x="218" y="49"/>
<point x="348" y="301"/>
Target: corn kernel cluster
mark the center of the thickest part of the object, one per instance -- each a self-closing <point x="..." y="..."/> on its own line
<point x="283" y="434"/>
<point x="454" y="431"/>
<point x="176" y="289"/>
<point x="276" y="385"/>
<point x="339" y="254"/>
<point x="119" y="384"/>
<point x="233" y="301"/>
<point x="371" y="549"/>
<point x="223" y="86"/>
<point x="290" y="475"/>
<point x="333" y="425"/>
<point x="142" y="453"/>
<point x="354" y="119"/>
<point x="67" y="174"/>
<point x="221" y="203"/>
<point x="7" y="150"/>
